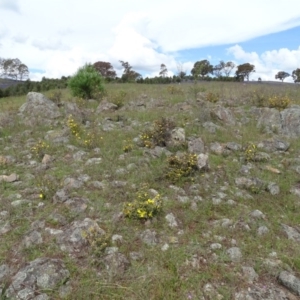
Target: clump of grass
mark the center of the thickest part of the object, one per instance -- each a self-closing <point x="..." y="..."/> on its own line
<point x="212" y="97"/>
<point x="144" y="206"/>
<point x="279" y="102"/>
<point x="55" y="96"/>
<point x="181" y="166"/>
<point x="159" y="134"/>
<point x="97" y="239"/>
<point x="47" y="187"/>
<point x="174" y="90"/>
<point x="259" y="98"/>
<point x="119" y="98"/>
<point x="39" y="149"/>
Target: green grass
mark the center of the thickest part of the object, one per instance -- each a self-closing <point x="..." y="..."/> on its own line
<point x="189" y="264"/>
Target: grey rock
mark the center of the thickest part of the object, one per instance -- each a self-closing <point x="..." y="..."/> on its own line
<point x="40" y="274"/>
<point x="211" y="127"/>
<point x="262" y="230"/>
<point x="269" y="119"/>
<point x="60" y="196"/>
<point x="196" y="146"/>
<point x="233" y="146"/>
<point x="171" y="220"/>
<point x="223" y="114"/>
<point x="149" y="237"/>
<point x="72" y="183"/>
<point x="57" y="136"/>
<point x="290" y="281"/>
<point x="291" y="233"/>
<point x="217" y="148"/>
<point x="250" y="274"/>
<point x="273" y="145"/>
<point x="33" y="238"/>
<point x="10" y="178"/>
<point x="72" y="239"/>
<point x="273" y="188"/>
<point x="4" y="272"/>
<point x="106" y="106"/>
<point x="235" y="254"/>
<point x="202" y="162"/>
<point x="38" y="110"/>
<point x="262" y="292"/>
<point x="257" y="214"/>
<point x="177" y="137"/>
<point x="116" y="263"/>
<point x="215" y="246"/>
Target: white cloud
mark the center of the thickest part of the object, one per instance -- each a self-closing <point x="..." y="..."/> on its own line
<point x="269" y="62"/>
<point x="144" y="33"/>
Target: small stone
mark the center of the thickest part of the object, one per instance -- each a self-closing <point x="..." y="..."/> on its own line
<point x="235" y="254"/>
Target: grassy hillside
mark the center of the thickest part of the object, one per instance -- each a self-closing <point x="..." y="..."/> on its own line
<point x="176" y="226"/>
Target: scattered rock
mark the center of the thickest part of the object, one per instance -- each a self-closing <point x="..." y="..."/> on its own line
<point x="39" y="275"/>
<point x="290" y="281"/>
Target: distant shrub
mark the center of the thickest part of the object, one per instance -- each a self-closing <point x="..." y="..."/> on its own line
<point x="39" y="149"/>
<point x="86" y="83"/>
<point x="279" y="102"/>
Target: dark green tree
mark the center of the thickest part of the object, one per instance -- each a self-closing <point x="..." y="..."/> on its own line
<point x="202" y="68"/>
<point x="282" y="75"/>
<point x="86" y="83"/>
<point x="243" y="71"/>
<point x="129" y="75"/>
<point x="296" y="75"/>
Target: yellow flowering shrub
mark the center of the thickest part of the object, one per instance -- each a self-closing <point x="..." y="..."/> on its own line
<point x="181" y="166"/>
<point x="144" y="206"/>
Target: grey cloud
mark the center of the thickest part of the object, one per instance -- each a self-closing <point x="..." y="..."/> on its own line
<point x="12" y="5"/>
<point x="49" y="45"/>
<point x="20" y="38"/>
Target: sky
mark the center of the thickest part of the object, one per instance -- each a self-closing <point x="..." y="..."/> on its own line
<point x="56" y="37"/>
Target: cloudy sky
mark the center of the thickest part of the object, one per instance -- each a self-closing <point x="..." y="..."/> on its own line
<point x="55" y="37"/>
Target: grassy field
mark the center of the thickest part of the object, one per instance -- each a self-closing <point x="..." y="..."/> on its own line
<point x="188" y="258"/>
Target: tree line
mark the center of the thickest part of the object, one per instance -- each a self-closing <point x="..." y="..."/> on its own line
<point x="14" y="69"/>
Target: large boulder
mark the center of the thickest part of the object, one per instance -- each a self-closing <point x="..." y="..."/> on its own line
<point x="38" y="109"/>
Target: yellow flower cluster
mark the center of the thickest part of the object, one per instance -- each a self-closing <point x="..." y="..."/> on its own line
<point x="143" y="207"/>
<point x="85" y="139"/>
<point x="39" y="148"/>
<point x="127" y="146"/>
<point x="181" y="166"/>
<point x="279" y="102"/>
<point x="250" y="152"/>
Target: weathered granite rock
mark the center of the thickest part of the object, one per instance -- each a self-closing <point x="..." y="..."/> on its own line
<point x="39" y="275"/>
<point x="290" y="281"/>
<point x="39" y="109"/>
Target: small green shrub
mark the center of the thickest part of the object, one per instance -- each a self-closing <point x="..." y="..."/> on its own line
<point x="86" y="83"/>
<point x="145" y="206"/>
<point x="181" y="166"/>
<point x="119" y="98"/>
<point x="96" y="239"/>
